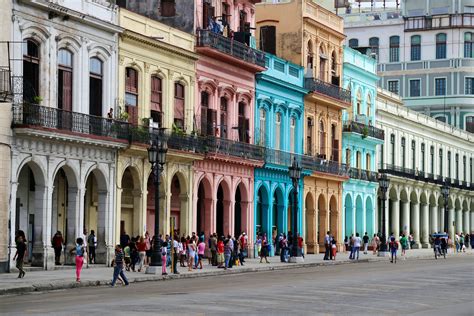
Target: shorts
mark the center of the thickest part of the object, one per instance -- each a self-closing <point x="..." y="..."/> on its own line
<point x="201" y="256"/>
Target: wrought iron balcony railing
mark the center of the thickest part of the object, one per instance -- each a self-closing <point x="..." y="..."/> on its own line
<point x="364" y="130"/>
<point x="72" y="122"/>
<point x="207" y="38"/>
<point x="433" y="22"/>
<point x="328" y="89"/>
<point x="229" y="147"/>
<point x="361" y="174"/>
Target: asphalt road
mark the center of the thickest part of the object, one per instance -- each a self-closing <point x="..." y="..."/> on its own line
<point x="420" y="287"/>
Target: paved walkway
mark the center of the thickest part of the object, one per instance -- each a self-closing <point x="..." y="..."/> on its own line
<point x="96" y="276"/>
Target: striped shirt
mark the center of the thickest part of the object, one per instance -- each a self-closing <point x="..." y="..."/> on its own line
<point x="119" y="258"/>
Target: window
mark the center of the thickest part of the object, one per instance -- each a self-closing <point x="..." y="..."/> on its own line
<point x="369" y="107"/>
<point x="381" y="162"/>
<point x="348" y="157"/>
<point x="432" y="159"/>
<point x="413" y="147"/>
<point x="374" y="45"/>
<point x="244" y="123"/>
<point x="394" y="51"/>
<point x="393" y="86"/>
<point x="392" y="149"/>
<point x="95" y="86"/>
<point x="403" y="152"/>
<point x="156" y="99"/>
<point x="449" y="164"/>
<point x="415" y="88"/>
<point x="131" y="87"/>
<point x="208" y="12"/>
<point x="179" y="105"/>
<point x="457" y="166"/>
<point x="440" y="86"/>
<point x="440" y="171"/>
<point x="470" y="124"/>
<point x="223" y="129"/>
<point x="292" y="134"/>
<point x="367" y="162"/>
<point x="415" y="47"/>
<point x="309" y="57"/>
<point x="309" y="136"/>
<point x="353" y="42"/>
<point x="358" y="160"/>
<point x="65" y="80"/>
<point x="168" y="8"/>
<point x="470" y="169"/>
<point x="359" y="103"/>
<point x="423" y="157"/>
<point x="334" y="76"/>
<point x="441" y="46"/>
<point x="464" y="168"/>
<point x="31" y="61"/>
<point x="468" y="45"/>
<point x="262" y="127"/>
<point x="277" y="130"/>
<point x="334" y="144"/>
<point x="322" y="64"/>
<point x="225" y="13"/>
<point x="268" y="39"/>
<point x="469" y="86"/>
<point x="322" y="140"/>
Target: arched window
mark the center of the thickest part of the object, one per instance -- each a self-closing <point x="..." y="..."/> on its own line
<point x="392" y="149"/>
<point x="244" y="123"/>
<point x="65" y="79"/>
<point x="369" y="106"/>
<point x="334" y="76"/>
<point x="309" y="136"/>
<point x="358" y="160"/>
<point x="262" y="123"/>
<point x="416" y="47"/>
<point x="131" y="95"/>
<point x="322" y="64"/>
<point x="413" y="154"/>
<point x="179" y="102"/>
<point x="31" y="61"/>
<point x="441" y="46"/>
<point x="334" y="144"/>
<point x="223" y="108"/>
<point x="156" y="100"/>
<point x="469" y="45"/>
<point x="367" y="162"/>
<point x="348" y="157"/>
<point x="374" y="45"/>
<point x="277" y="130"/>
<point x="394" y="51"/>
<point x="322" y="140"/>
<point x="95" y="86"/>
<point x="309" y="56"/>
<point x="403" y="152"/>
<point x="359" y="103"/>
<point x="292" y="134"/>
<point x="440" y="170"/>
<point x="353" y="42"/>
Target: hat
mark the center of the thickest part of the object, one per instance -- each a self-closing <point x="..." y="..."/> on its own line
<point x="244" y="233"/>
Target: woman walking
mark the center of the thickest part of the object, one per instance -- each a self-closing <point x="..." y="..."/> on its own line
<point x="264" y="250"/>
<point x="164" y="252"/>
<point x="201" y="247"/>
<point x="191" y="254"/>
<point x="141" y="246"/>
<point x="147" y="248"/>
<point x="375" y="244"/>
<point x="79" y="250"/>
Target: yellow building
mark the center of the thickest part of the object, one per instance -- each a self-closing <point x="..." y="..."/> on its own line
<point x="311" y="36"/>
<point x="156" y="89"/>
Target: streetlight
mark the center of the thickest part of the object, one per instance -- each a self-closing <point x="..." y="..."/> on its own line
<point x="294" y="172"/>
<point x="157" y="158"/>
<point x="445" y="193"/>
<point x="384" y="183"/>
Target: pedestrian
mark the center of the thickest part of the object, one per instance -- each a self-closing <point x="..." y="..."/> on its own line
<point x="20" y="256"/>
<point x="200" y="250"/>
<point x="471" y="240"/>
<point x="334" y="249"/>
<point x="182" y="251"/>
<point x="228" y="247"/>
<point x="467" y="240"/>
<point x="411" y="240"/>
<point x="351" y="246"/>
<point x="243" y="248"/>
<point x="141" y="247"/>
<point x="461" y="243"/>
<point x="213" y="247"/>
<point x="220" y="252"/>
<point x="79" y="250"/>
<point x="164" y="252"/>
<point x="92" y="243"/>
<point x="118" y="267"/>
<point x="404" y="244"/>
<point x="191" y="254"/>
<point x="126" y="253"/>
<point x="456" y="242"/>
<point x="346" y="243"/>
<point x="357" y="242"/>
<point x="176" y="253"/>
<point x="134" y="258"/>
<point x="264" y="249"/>
<point x="58" y="242"/>
<point x="366" y="242"/>
<point x="300" y="245"/>
<point x="124" y="239"/>
<point x="258" y="244"/>
<point x="148" y="248"/>
<point x="283" y="248"/>
<point x="375" y="244"/>
<point x="327" y="246"/>
<point x="393" y="245"/>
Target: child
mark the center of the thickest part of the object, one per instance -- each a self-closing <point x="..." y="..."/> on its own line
<point x="79" y="250"/>
<point x="334" y="249"/>
<point x="393" y="245"/>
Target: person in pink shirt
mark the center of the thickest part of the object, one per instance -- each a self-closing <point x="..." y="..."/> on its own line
<point x="201" y="247"/>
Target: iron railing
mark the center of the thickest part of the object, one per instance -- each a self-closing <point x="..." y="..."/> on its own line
<point x="222" y="146"/>
<point x="363" y="129"/>
<point x="361" y="174"/>
<point x="54" y="118"/>
<point x="207" y="38"/>
<point x="433" y="22"/>
<point x="328" y="89"/>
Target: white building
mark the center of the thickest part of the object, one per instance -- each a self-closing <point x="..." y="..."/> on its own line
<point x="419" y="154"/>
<point x="64" y="149"/>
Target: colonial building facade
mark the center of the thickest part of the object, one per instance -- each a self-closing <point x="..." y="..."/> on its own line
<point x="63" y="150"/>
<point x="420" y="154"/>
<point x="360" y="138"/>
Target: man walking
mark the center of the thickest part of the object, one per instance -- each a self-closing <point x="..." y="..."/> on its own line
<point x="366" y="242"/>
<point x="92" y="243"/>
<point x="214" y="249"/>
<point x="58" y="242"/>
<point x="357" y="242"/>
<point x="118" y="268"/>
<point x="20" y="256"/>
<point x="175" y="254"/>
<point x="327" y="246"/>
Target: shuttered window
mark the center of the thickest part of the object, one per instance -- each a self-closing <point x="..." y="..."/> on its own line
<point x="31" y="61"/>
<point x="268" y="39"/>
<point x="65" y="80"/>
<point x="95" y="86"/>
<point x="131" y="87"/>
<point x="179" y="105"/>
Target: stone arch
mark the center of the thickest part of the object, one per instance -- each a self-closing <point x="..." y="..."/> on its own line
<point x="204" y="205"/>
<point x="241" y="214"/>
<point x="279" y="221"/>
<point x="323" y="223"/>
<point x="178" y="189"/>
<point x="131" y="212"/>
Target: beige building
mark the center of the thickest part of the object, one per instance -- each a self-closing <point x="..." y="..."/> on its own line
<point x="156" y="80"/>
<point x="311" y="36"/>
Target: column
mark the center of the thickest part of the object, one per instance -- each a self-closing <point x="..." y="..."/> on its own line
<point x="465" y="222"/>
<point x="118" y="216"/>
<point x="13" y="220"/>
<point x="72" y="229"/>
<point x="434" y="228"/>
<point x="395" y="220"/>
<point x="442" y="215"/>
<point x="405" y="209"/>
<point x="228" y="217"/>
<point x="471" y="222"/>
<point x="425" y="226"/>
<point x="102" y="209"/>
<point x="451" y="228"/>
<point x="458" y="221"/>
<point x="386" y="210"/>
<point x="415" y="214"/>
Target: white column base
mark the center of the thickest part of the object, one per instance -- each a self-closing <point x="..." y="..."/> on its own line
<point x="153" y="270"/>
<point x="296" y="259"/>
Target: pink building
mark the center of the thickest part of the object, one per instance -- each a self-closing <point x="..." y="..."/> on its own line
<point x="225" y="94"/>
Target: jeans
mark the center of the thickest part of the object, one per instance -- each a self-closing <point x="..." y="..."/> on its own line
<point x="356" y="249"/>
<point x="91" y="254"/>
<point x="327" y="252"/>
<point x="118" y="270"/>
<point x="226" y="259"/>
<point x="141" y="255"/>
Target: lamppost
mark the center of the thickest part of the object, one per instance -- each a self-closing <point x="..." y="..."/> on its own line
<point x="384" y="183"/>
<point x="445" y="193"/>
<point x="157" y="158"/>
<point x="294" y="172"/>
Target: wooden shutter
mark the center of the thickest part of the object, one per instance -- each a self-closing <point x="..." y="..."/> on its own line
<point x="131" y="81"/>
<point x="268" y="39"/>
<point x="67" y="90"/>
<point x="204" y="120"/>
<point x="156" y="95"/>
<point x="179" y="104"/>
<point x="132" y="114"/>
<point x="211" y="122"/>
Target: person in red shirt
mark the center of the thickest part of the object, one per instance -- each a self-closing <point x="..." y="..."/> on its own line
<point x="300" y="244"/>
<point x="243" y="247"/>
<point x="141" y="247"/>
<point x="220" y="252"/>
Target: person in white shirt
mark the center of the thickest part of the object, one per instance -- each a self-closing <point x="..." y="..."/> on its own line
<point x="357" y="243"/>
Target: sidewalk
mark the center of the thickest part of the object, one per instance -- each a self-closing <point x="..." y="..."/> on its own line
<point x="99" y="276"/>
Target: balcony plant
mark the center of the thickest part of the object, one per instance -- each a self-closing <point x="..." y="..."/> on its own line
<point x="37" y="100"/>
<point x="365" y="132"/>
<point x="178" y="130"/>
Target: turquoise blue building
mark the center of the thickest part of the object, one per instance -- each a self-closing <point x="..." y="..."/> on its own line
<point x="278" y="127"/>
<point x="360" y="138"/>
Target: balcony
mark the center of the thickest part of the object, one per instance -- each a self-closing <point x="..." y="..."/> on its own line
<point x="360" y="174"/>
<point x="364" y="130"/>
<point x="229" y="50"/>
<point x="227" y="147"/>
<point x="37" y="116"/>
<point x="438" y="22"/>
<point x="328" y="89"/>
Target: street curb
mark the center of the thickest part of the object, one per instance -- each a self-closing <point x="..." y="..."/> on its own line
<point x="44" y="287"/>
